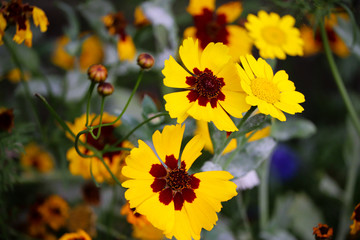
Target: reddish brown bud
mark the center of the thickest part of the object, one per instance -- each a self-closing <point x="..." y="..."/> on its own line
<point x="105" y="89"/>
<point x="145" y="61"/>
<point x="97" y="73"/>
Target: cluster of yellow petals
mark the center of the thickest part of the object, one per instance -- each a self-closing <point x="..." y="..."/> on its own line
<point x="80" y="234"/>
<point x="34" y="157"/>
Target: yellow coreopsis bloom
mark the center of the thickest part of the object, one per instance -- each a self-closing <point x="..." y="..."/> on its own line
<point x="355" y="227"/>
<point x="115" y="160"/>
<point x="272" y="94"/>
<point x="54" y="211"/>
<point x="36" y="158"/>
<point x="216" y="26"/>
<point x="161" y="188"/>
<point x="212" y="89"/>
<point x="23" y="35"/>
<point x="274" y="36"/>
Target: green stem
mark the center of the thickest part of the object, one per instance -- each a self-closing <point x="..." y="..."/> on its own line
<point x="243" y="214"/>
<point x="264" y="194"/>
<point x="352" y="171"/>
<point x="217" y="156"/>
<point x="91" y="89"/>
<point x="101" y="116"/>
<point x="338" y="80"/>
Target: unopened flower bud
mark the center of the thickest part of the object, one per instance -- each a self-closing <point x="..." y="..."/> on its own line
<point x="105" y="89"/>
<point x="145" y="61"/>
<point x="97" y="73"/>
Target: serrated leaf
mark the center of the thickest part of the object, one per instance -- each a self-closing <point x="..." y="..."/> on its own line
<point x="292" y="128"/>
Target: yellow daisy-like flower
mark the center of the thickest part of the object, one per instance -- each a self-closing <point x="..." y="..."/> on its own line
<point x="212" y="89"/>
<point x="273" y="94"/>
<point x="35" y="157"/>
<point x="55" y="211"/>
<point x="274" y="36"/>
<point x="142" y="228"/>
<point x="79" y="235"/>
<point x="161" y="188"/>
<point x="215" y="26"/>
<point x="355" y="227"/>
<point x="115" y="160"/>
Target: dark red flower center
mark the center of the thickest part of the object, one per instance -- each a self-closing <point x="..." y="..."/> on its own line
<point x="205" y="87"/>
<point x="55" y="211"/>
<point x="211" y="28"/>
<point x="106" y="137"/>
<point x="174" y="183"/>
<point x="17" y="12"/>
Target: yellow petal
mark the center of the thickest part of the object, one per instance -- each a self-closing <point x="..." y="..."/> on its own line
<point x="196" y="7"/>
<point x="138" y="191"/>
<point x="177" y="104"/>
<point x="190" y="32"/>
<point x="235" y="103"/>
<point x="286" y="85"/>
<point x="292" y="97"/>
<point x="231" y="77"/>
<point x="216" y="115"/>
<point x="39" y="18"/>
<point x="175" y="75"/>
<point x="238" y="48"/>
<point x="243" y="77"/>
<point x="203" y="130"/>
<point x="126" y="49"/>
<point x="245" y="65"/>
<point x="189" y="54"/>
<point x="280" y="76"/>
<point x="232" y="10"/>
<point x="169" y="141"/>
<point x="214" y="57"/>
<point x="192" y="150"/>
<point x="182" y="228"/>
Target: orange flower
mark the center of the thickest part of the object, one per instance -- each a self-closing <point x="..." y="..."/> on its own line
<point x="355" y="227"/>
<point x="323" y="232"/>
<point x="55" y="211"/>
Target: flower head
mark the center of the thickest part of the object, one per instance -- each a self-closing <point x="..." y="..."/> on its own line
<point x="212" y="89"/>
<point x="273" y="94"/>
<point x="215" y="26"/>
<point x="55" y="211"/>
<point x="115" y="160"/>
<point x="82" y="217"/>
<point x="274" y="36"/>
<point x="161" y="187"/>
<point x="97" y="73"/>
<point x="80" y="234"/>
<point x="355" y="227"/>
<point x="116" y="25"/>
<point x="36" y="158"/>
<point x="17" y="12"/>
<point x="323" y="232"/>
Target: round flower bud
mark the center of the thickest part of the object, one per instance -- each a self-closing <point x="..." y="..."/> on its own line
<point x="145" y="61"/>
<point x="105" y="89"/>
<point x="97" y="73"/>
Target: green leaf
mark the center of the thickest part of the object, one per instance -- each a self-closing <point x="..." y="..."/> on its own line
<point x="256" y="122"/>
<point x="328" y="186"/>
<point x="292" y="128"/>
<point x="148" y="106"/>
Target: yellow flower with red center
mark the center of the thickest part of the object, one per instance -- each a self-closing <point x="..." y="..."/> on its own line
<point x="36" y="158"/>
<point x="79" y="235"/>
<point x="212" y="89"/>
<point x="355" y="227"/>
<point x="313" y="42"/>
<point x="323" y="232"/>
<point x="272" y="94"/>
<point x="116" y="24"/>
<point x="142" y="228"/>
<point x="54" y="211"/>
<point x="91" y="53"/>
<point x="115" y="160"/>
<point x="274" y="36"/>
<point x="161" y="188"/>
<point x="17" y="12"/>
<point x="215" y="26"/>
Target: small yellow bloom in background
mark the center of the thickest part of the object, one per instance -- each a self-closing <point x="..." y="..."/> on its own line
<point x="160" y="187"/>
<point x="272" y="94"/>
<point x="116" y="25"/>
<point x="210" y="83"/>
<point x="140" y="19"/>
<point x="34" y="157"/>
<point x="55" y="211"/>
<point x="3" y="25"/>
<point x="14" y="75"/>
<point x="80" y="234"/>
<point x="40" y="19"/>
<point x="274" y="36"/>
<point x="215" y="26"/>
<point x="142" y="228"/>
<point x="115" y="160"/>
<point x="92" y="52"/>
<point x="355" y="227"/>
<point x="82" y="216"/>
